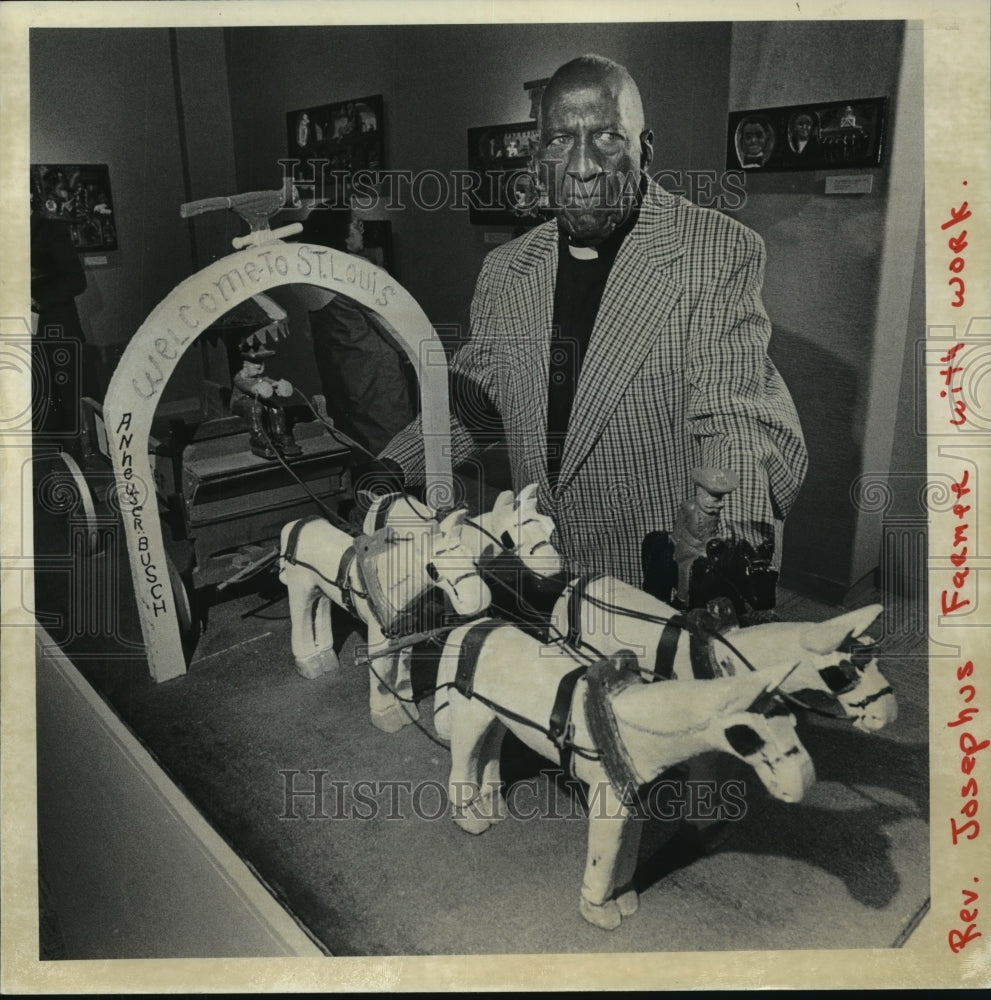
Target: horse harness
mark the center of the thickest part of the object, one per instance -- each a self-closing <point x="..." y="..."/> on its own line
<point x="357" y="576"/>
<point x="605" y="677"/>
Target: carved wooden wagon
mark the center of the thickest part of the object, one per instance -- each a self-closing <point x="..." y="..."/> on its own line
<point x="198" y="508"/>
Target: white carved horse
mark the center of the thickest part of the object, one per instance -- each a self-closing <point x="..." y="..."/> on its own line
<point x="514" y="523"/>
<point x="320" y="563"/>
<point x="659" y="725"/>
<point x="615" y="616"/>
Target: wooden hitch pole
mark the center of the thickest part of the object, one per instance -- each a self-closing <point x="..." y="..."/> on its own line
<point x="173" y="326"/>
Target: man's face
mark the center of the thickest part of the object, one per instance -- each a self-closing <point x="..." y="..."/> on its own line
<point x="590" y="155"/>
<point x="709" y="503"/>
<point x="753" y="140"/>
<point x="803" y="128"/>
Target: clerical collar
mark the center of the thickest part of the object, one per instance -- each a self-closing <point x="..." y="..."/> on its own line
<point x="609" y="247"/>
<point x="582" y="253"/>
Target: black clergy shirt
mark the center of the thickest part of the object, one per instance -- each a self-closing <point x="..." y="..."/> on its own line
<point x="577" y="294"/>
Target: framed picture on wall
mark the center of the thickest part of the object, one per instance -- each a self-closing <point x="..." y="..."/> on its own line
<point x="347" y="136"/>
<point x="838" y="135"/>
<point x="77" y="195"/>
<point x="499" y="155"/>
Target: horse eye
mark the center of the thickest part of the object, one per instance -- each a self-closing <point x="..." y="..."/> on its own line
<point x="744" y="740"/>
<point x="432" y="572"/>
<point x="507" y="540"/>
<point x="837" y="679"/>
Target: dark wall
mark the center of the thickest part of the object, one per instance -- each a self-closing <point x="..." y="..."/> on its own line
<point x="114" y="96"/>
<point x="109" y="97"/>
<point x="439" y="80"/>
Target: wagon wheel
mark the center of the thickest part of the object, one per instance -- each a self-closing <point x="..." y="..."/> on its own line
<point x="87" y="509"/>
<point x="61" y="489"/>
<point x="189" y="626"/>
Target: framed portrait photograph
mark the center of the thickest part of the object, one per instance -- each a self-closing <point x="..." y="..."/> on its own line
<point x="77" y="195"/>
<point x="831" y="136"/>
<point x="500" y="154"/>
<point x="347" y="135"/>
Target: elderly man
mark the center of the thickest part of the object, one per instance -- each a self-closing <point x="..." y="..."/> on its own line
<point x="622" y="345"/>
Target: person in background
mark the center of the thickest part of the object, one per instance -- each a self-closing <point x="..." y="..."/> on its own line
<point x="59" y="376"/>
<point x="363" y="371"/>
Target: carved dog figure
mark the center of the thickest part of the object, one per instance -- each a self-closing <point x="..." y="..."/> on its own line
<point x="320" y="563"/>
<point x="516" y="678"/>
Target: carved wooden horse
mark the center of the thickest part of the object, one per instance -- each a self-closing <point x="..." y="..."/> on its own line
<point x="499" y="678"/>
<point x="604" y="615"/>
<point x="833" y="656"/>
<point x="514" y="523"/>
<point x="376" y="578"/>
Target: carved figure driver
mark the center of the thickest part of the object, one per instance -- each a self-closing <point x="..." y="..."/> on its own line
<point x="258" y="400"/>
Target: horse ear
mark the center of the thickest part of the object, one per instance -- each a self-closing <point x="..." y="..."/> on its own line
<point x="368" y="525"/>
<point x="528" y="497"/>
<point x="825" y="637"/>
<point x="452" y="524"/>
<point x="504" y="501"/>
<point x="774" y="678"/>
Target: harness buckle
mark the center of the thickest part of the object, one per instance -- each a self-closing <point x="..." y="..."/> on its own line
<point x="565" y="735"/>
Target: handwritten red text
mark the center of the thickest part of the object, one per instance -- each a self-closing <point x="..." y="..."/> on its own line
<point x="959" y="406"/>
<point x="954" y="602"/>
<point x="957" y="245"/>
<point x="969" y="748"/>
<point x="958" y="940"/>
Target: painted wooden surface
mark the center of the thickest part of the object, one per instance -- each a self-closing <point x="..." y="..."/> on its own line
<point x="174" y="325"/>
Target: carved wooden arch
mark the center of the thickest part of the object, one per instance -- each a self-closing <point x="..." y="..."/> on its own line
<point x="167" y="333"/>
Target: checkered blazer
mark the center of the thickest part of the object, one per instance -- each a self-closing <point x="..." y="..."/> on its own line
<point x="676" y="375"/>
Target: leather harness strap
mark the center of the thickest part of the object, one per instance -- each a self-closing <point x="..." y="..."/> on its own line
<point x="700" y="650"/>
<point x="701" y="624"/>
<point x="368" y="549"/>
<point x="575" y="600"/>
<point x="292" y="542"/>
<point x="667" y="647"/>
<point x="519" y="595"/>
<point x="561" y="726"/>
<point x="605" y="678"/>
<point x="343" y="582"/>
<point x="341" y="579"/>
<point x="471" y="646"/>
<point x="384" y="509"/>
